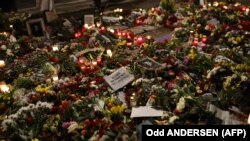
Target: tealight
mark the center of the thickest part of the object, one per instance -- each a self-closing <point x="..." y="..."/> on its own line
<point x="55" y="78"/>
<point x="247" y="11"/>
<point x="149" y="37"/>
<point x="120" y="17"/>
<point x="55" y="48"/>
<point x="109" y="53"/>
<point x="4" y="88"/>
<point x="98" y="24"/>
<point x="216" y="3"/>
<point x="94" y="63"/>
<point x="2" y="64"/>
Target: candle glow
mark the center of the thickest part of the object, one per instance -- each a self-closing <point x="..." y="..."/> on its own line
<point x="55" y="78"/>
<point x="4" y="88"/>
<point x="2" y="64"/>
<point x="109" y="53"/>
<point x="55" y="48"/>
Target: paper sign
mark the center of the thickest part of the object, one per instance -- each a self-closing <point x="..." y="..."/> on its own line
<point x="145" y="111"/>
<point x="119" y="78"/>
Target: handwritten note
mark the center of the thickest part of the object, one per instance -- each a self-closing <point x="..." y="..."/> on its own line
<point x="119" y="78"/>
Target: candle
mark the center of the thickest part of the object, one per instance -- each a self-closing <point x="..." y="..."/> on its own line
<point x="55" y="48"/>
<point x="139" y="41"/>
<point x="55" y="78"/>
<point x="120" y="10"/>
<point x="78" y="35"/>
<point x="94" y="63"/>
<point x="111" y="30"/>
<point x="132" y="101"/>
<point x="2" y="64"/>
<point x="204" y="39"/>
<point x="129" y="44"/>
<point x="195" y="42"/>
<point x="99" y="61"/>
<point x="216" y="3"/>
<point x="149" y="37"/>
<point x="83" y="68"/>
<point x="243" y="8"/>
<point x="98" y="24"/>
<point x="247" y="11"/>
<point x="4" y="88"/>
<point x="11" y="26"/>
<point x="119" y="33"/>
<point x="109" y="53"/>
<point x="121" y="17"/>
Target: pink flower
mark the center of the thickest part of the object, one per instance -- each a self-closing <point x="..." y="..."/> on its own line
<point x="170" y="85"/>
<point x="67" y="124"/>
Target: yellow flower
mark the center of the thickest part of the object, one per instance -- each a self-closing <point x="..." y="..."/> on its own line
<point x="35" y="139"/>
<point x="164" y="1"/>
<point x="117" y="109"/>
<point x="192" y="54"/>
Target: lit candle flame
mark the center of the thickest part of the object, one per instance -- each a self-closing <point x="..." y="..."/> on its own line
<point x="55" y="48"/>
<point x="109" y="53"/>
<point x="55" y="78"/>
<point x="2" y="63"/>
<point x="4" y="88"/>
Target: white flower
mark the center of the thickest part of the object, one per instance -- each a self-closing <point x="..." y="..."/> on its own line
<point x="3" y="47"/>
<point x="172" y="119"/>
<point x="181" y="104"/>
<point x="9" y="52"/>
<point x="212" y="72"/>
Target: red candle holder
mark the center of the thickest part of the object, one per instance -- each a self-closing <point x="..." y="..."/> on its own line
<point x="140" y="41"/>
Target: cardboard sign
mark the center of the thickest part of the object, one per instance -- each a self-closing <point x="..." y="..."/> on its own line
<point x="145" y="111"/>
<point x="119" y="78"/>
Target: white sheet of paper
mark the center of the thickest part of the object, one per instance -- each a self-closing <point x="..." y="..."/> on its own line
<point x="145" y="111"/>
<point x="119" y="78"/>
<point x="221" y="114"/>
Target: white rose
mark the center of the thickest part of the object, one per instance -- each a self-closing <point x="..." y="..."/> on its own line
<point x="181" y="104"/>
<point x="172" y="119"/>
<point x="159" y="18"/>
<point x="72" y="127"/>
<point x="3" y="47"/>
<point x="9" y="52"/>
